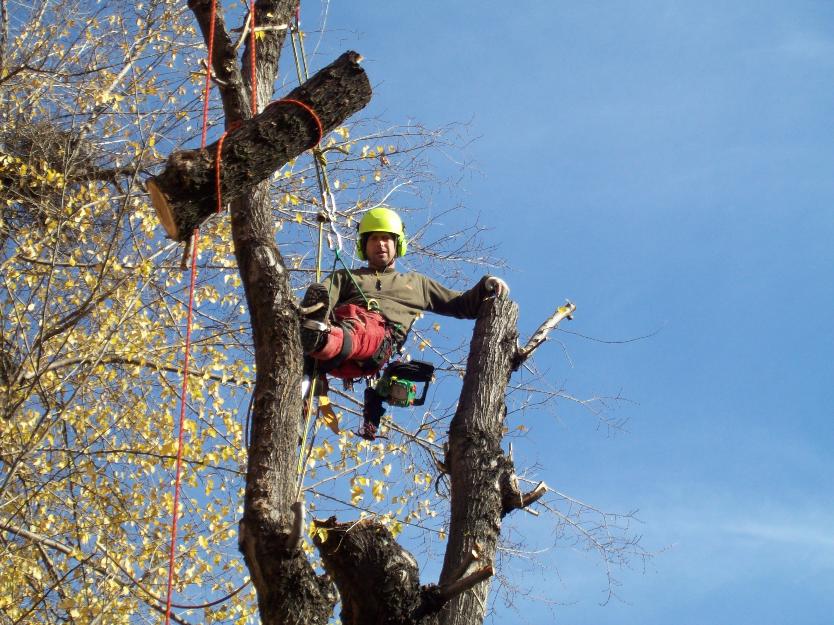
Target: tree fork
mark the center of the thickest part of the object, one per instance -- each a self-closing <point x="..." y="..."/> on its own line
<point x="184" y="193"/>
<point x="378" y="580"/>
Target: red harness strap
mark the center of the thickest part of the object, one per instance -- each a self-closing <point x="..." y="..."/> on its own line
<point x="358" y="345"/>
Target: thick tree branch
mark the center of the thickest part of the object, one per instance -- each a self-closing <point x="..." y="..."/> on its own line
<point x="224" y="61"/>
<point x="289" y="592"/>
<point x="272" y="18"/>
<point x="184" y="193"/>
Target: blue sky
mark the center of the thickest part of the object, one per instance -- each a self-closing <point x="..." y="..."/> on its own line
<point x="667" y="166"/>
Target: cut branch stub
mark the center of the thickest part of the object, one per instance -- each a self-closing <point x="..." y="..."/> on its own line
<point x="378" y="580"/>
<point x="184" y="194"/>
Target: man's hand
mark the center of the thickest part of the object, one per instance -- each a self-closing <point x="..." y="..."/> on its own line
<point x="497" y="286"/>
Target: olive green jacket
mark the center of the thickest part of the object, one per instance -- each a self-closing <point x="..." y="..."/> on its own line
<point x="403" y="296"/>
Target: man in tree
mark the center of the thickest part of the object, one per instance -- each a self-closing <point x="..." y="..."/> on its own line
<point x="373" y="308"/>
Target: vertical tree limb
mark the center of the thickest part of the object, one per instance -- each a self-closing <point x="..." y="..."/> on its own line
<point x="475" y="459"/>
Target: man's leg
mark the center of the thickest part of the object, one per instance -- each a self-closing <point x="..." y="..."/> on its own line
<point x="356" y="337"/>
<point x="313" y="327"/>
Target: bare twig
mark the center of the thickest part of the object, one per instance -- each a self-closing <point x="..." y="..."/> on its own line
<point x="540" y="335"/>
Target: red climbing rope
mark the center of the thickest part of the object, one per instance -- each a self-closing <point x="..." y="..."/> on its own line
<point x="312" y="113"/>
<point x="175" y="512"/>
<point x="184" y="395"/>
<point x="218" y="159"/>
<point x="253" y="74"/>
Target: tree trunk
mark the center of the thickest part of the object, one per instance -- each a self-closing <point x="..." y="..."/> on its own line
<point x="184" y="194"/>
<point x="377" y="579"/>
<point x="475" y="460"/>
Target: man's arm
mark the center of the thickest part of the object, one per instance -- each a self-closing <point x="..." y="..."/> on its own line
<point x="463" y="305"/>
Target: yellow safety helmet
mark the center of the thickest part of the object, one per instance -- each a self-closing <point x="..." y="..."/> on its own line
<point x="380" y="219"/>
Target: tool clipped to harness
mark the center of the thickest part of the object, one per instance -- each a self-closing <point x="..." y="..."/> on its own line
<point x="398" y="386"/>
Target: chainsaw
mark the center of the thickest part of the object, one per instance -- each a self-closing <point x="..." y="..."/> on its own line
<point x="398" y="386"/>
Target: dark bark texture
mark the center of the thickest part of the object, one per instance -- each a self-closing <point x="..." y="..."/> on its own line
<point x="184" y="193"/>
<point x="475" y="460"/>
<point x="377" y="579"/>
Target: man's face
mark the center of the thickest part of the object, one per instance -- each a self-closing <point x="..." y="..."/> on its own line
<point x="380" y="249"/>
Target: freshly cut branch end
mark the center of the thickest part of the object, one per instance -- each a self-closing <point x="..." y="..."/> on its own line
<point x="513" y="499"/>
<point x="162" y="207"/>
<point x="378" y="580"/>
<point x="185" y="194"/>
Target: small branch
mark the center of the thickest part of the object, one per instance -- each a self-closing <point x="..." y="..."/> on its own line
<point x="102" y="174"/>
<point x="157" y="603"/>
<point x="513" y="499"/>
<point x="136" y="362"/>
<point x="470" y="557"/>
<point x="214" y="78"/>
<point x="450" y="591"/>
<point x="540" y="335"/>
<point x="185" y="261"/>
<point x="433" y="598"/>
<point x="36" y="538"/>
<point x="533" y="495"/>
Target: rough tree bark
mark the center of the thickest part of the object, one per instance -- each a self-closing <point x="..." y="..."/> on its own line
<point x="377" y="579"/>
<point x="475" y="460"/>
